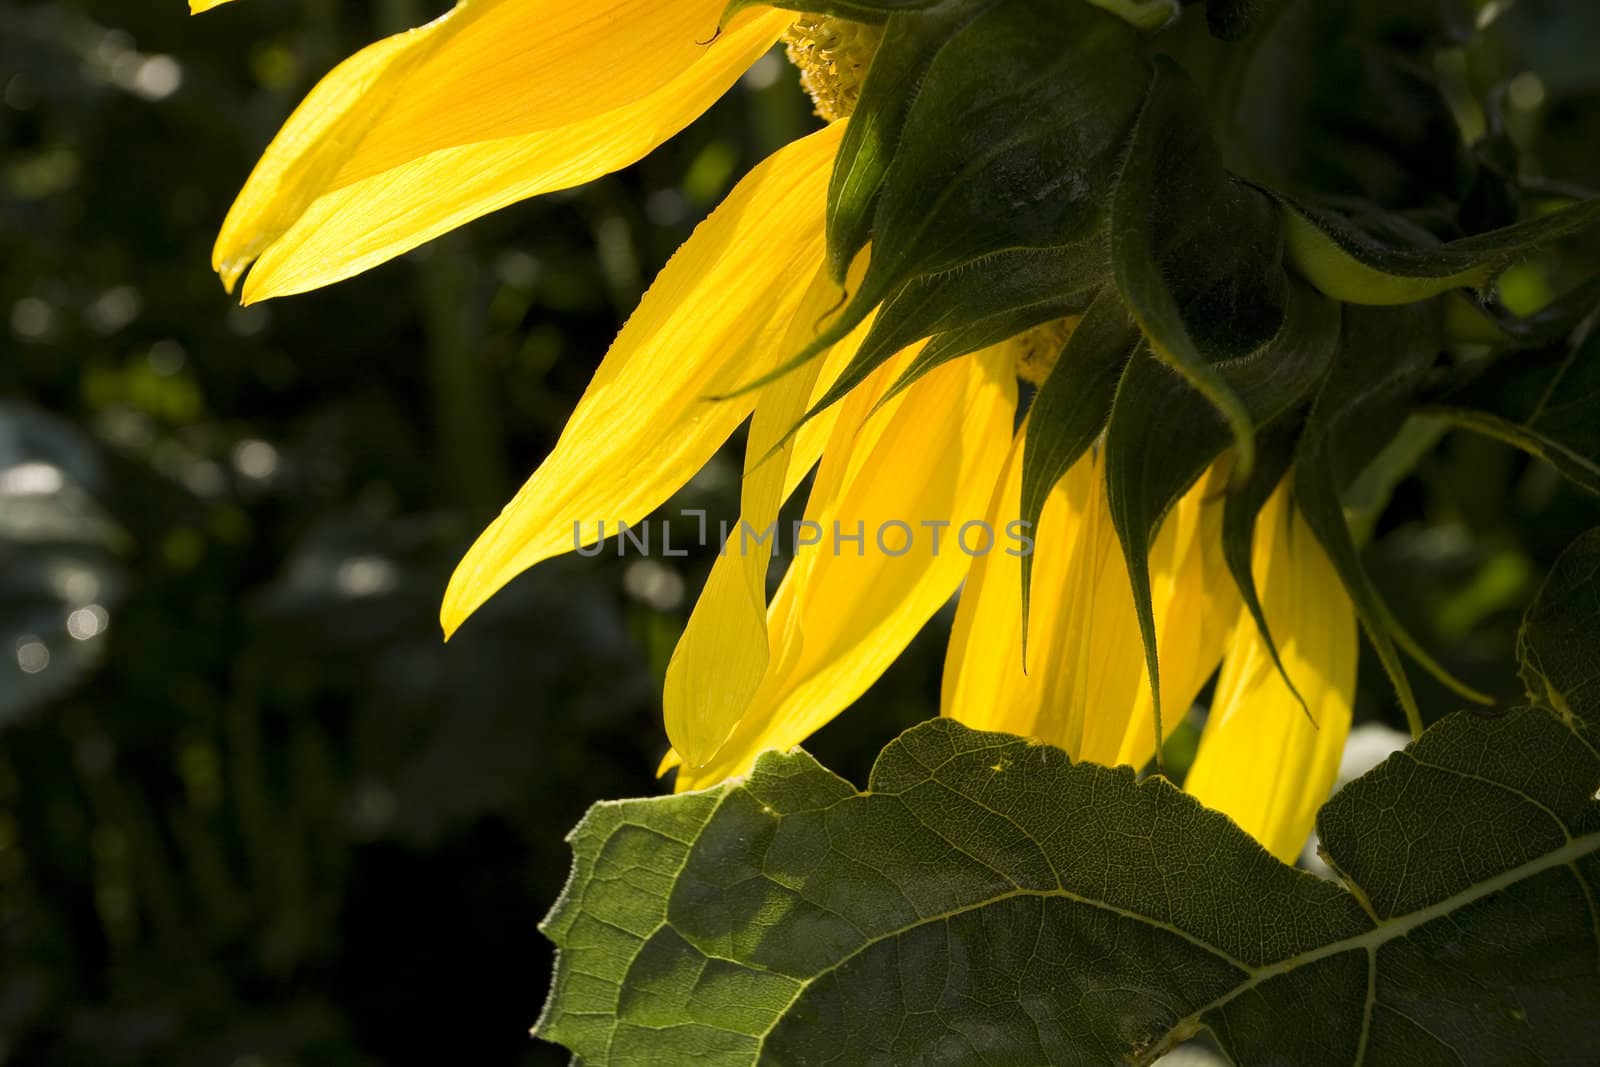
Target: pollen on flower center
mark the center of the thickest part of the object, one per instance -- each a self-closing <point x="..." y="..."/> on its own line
<point x="833" y="55"/>
<point x="1039" y="348"/>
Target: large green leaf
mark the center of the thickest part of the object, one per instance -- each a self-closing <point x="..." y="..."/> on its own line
<point x="987" y="900"/>
<point x="1557" y="642"/>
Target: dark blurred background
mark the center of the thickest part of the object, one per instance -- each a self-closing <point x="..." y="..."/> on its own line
<point x="252" y="810"/>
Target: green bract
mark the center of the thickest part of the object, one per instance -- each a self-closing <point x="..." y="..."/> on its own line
<point x="986" y="900"/>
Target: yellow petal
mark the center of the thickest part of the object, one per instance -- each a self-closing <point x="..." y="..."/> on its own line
<point x="1261" y="760"/>
<point x="931" y="455"/>
<point x="984" y="683"/>
<point x="308" y="152"/>
<point x="723" y="653"/>
<point x="496" y="101"/>
<point x="716" y="317"/>
<point x="1085" y="688"/>
<point x="503" y="68"/>
<point x="197" y="6"/>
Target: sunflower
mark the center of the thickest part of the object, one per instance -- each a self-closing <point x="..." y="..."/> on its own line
<point x="917" y="489"/>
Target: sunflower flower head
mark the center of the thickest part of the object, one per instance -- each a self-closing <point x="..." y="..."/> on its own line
<point x="1027" y="338"/>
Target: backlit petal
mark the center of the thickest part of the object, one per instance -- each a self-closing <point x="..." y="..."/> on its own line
<point x="723" y="653"/>
<point x="1261" y="759"/>
<point x="496" y="101"/>
<point x="1085" y="688"/>
<point x="985" y="686"/>
<point x="931" y="455"/>
<point x="716" y="317"/>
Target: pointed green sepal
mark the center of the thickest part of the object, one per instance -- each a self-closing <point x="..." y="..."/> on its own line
<point x="1163" y="434"/>
<point x="1069" y="412"/>
<point x="1196" y="252"/>
<point x="1276" y="443"/>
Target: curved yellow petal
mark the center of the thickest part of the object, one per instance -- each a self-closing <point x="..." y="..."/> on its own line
<point x="302" y="160"/>
<point x="494" y="102"/>
<point x="723" y="653"/>
<point x="504" y="68"/>
<point x="1085" y="688"/>
<point x="716" y="317"/>
<point x="930" y="455"/>
<point x="197" y="6"/>
<point x="1261" y="760"/>
<point x="985" y="685"/>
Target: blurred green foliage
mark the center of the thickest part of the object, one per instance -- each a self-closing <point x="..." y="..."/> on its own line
<point x="252" y="810"/>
